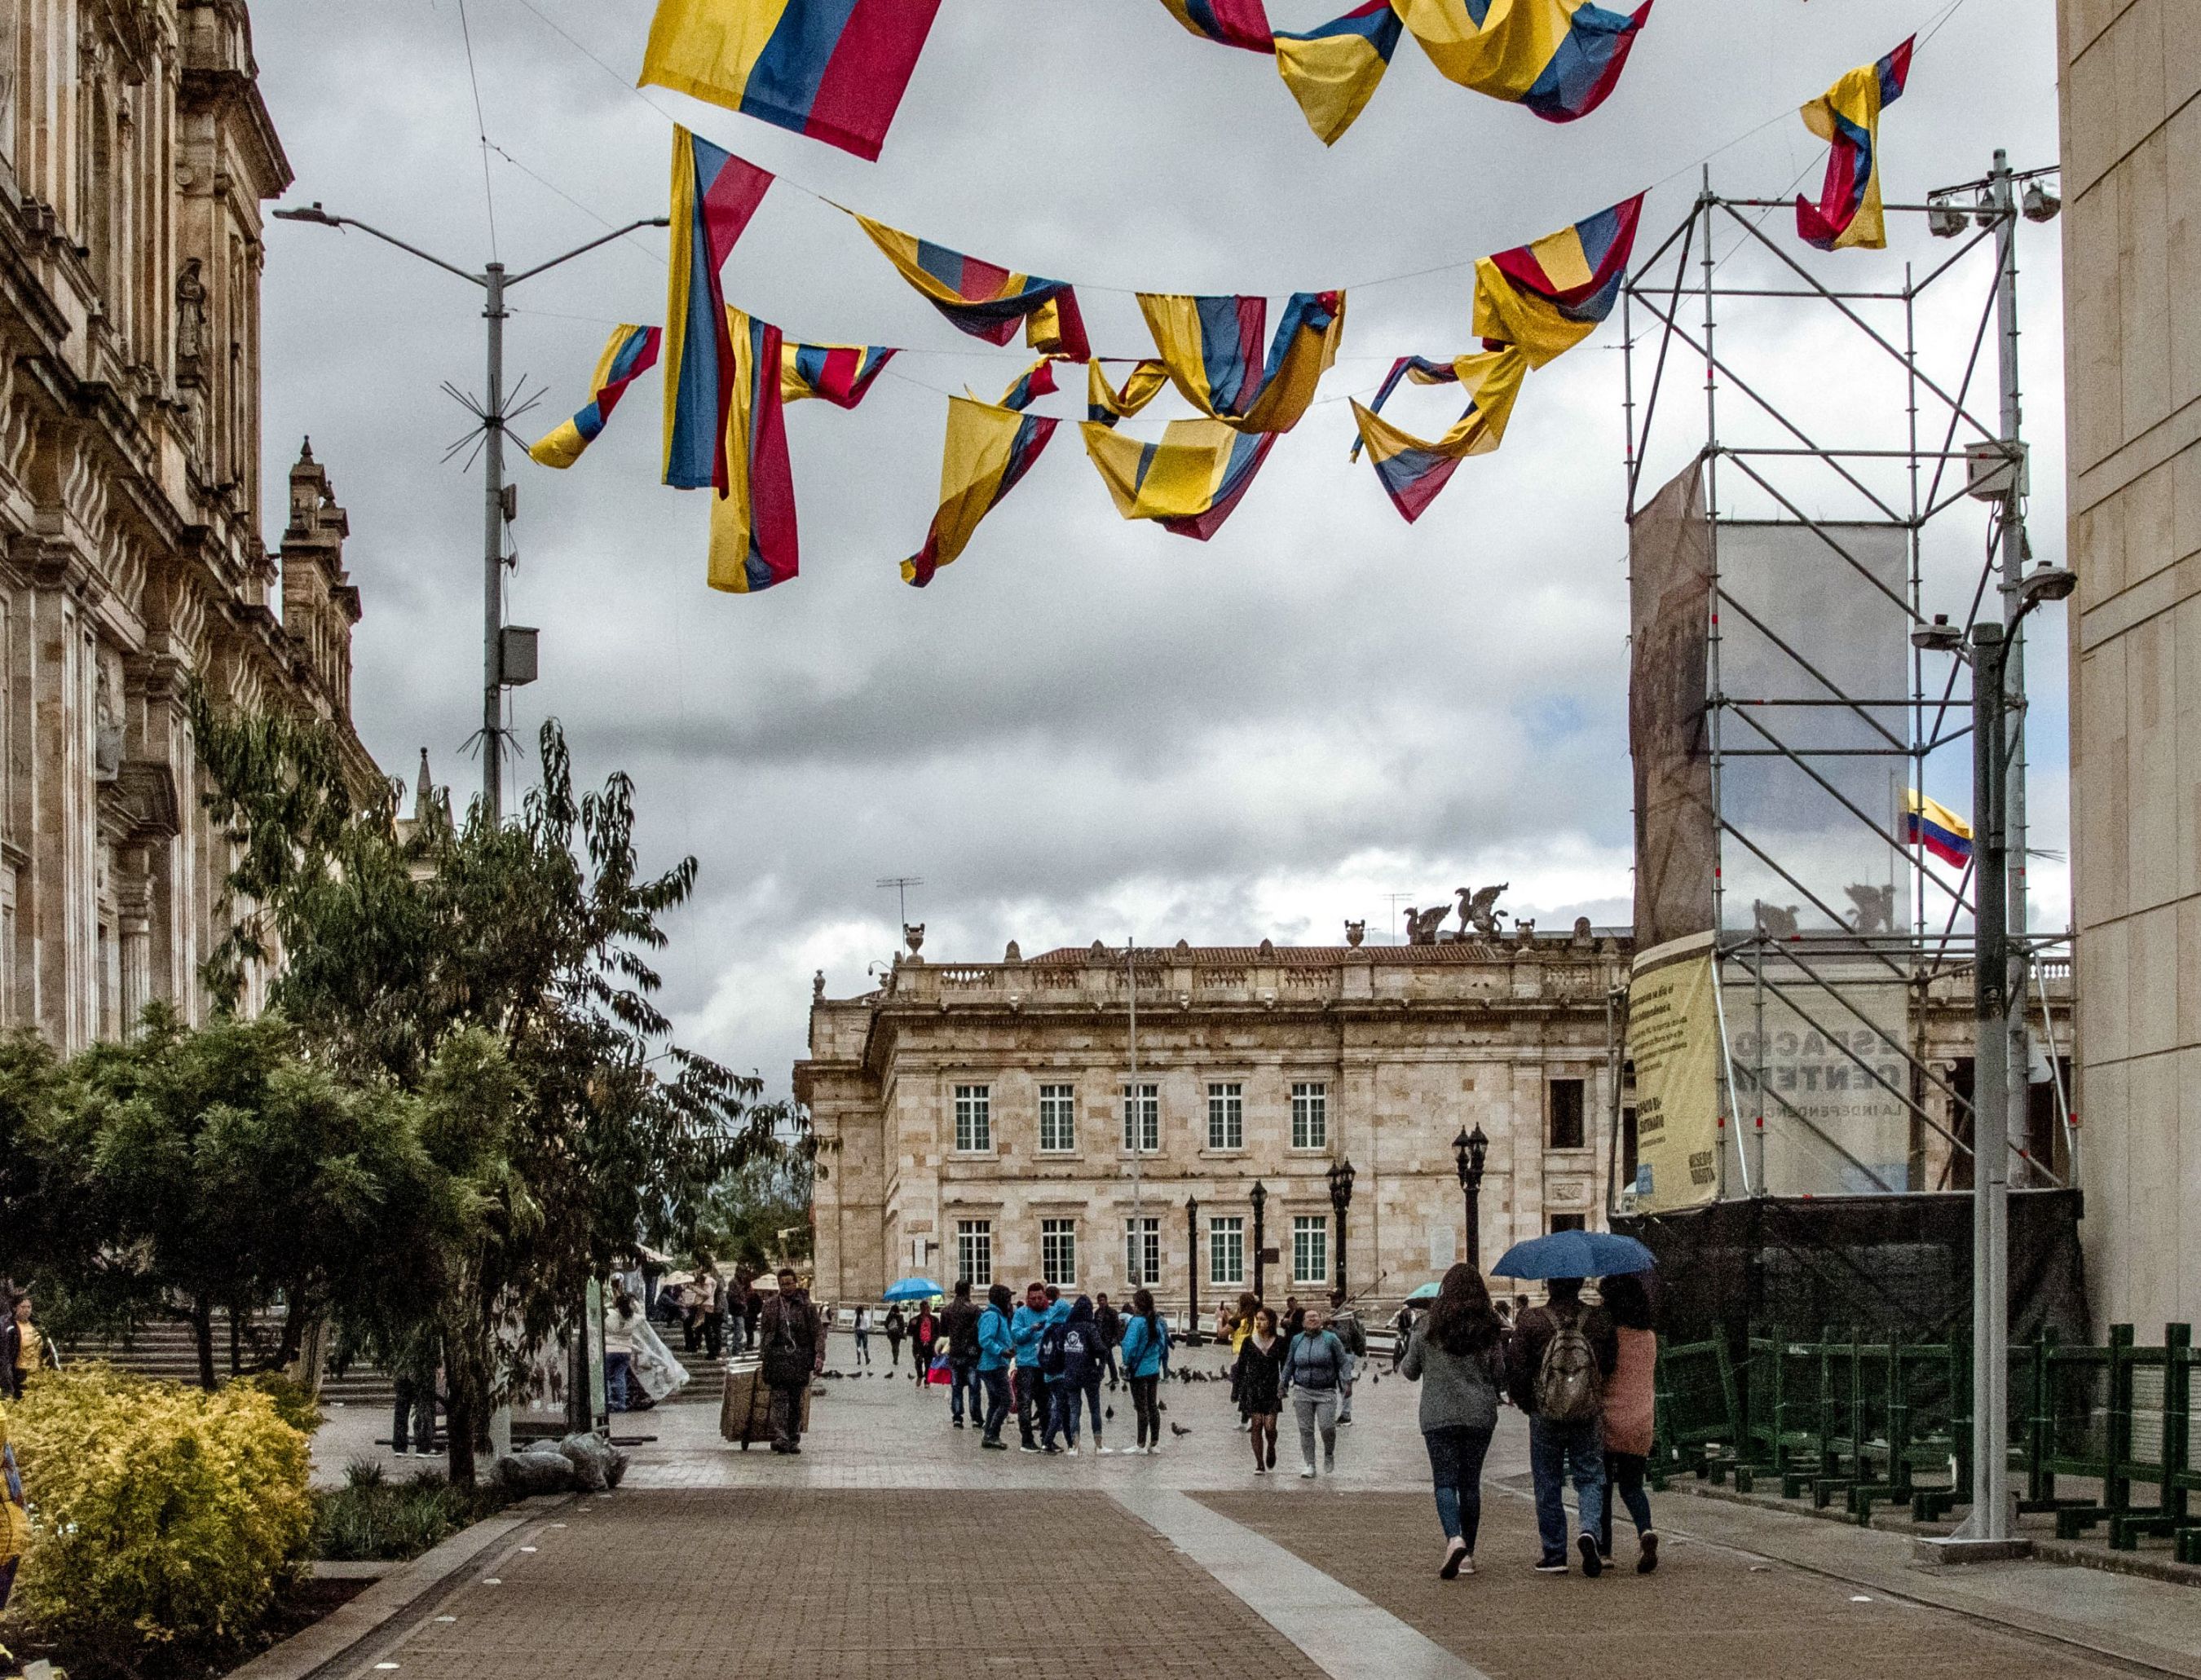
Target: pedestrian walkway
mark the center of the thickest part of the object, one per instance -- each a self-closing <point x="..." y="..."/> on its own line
<point x="893" y="1543"/>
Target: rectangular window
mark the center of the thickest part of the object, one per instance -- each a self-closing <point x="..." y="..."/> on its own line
<point x="1226" y="1251"/>
<point x="1566" y="1105"/>
<point x="1142" y="1119"/>
<point x="1310" y="1248"/>
<point x="1226" y="1116"/>
<point x="1142" y="1250"/>
<point x="1310" y="1115"/>
<point x="974" y="1252"/>
<point x="1057" y="1124"/>
<point x="1058" y="1252"/>
<point x="1569" y="1221"/>
<point x="974" y="1118"/>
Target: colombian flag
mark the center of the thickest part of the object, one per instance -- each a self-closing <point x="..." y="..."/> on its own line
<point x="1106" y="404"/>
<point x="1934" y="825"/>
<point x="1190" y="481"/>
<point x="1036" y="380"/>
<point x="841" y="374"/>
<point x="832" y="69"/>
<point x="631" y="353"/>
<point x="752" y="534"/>
<point x="1212" y="346"/>
<point x="1560" y="58"/>
<point x="1235" y="23"/>
<point x="1848" y="115"/>
<point x="1335" y="68"/>
<point x="714" y="194"/>
<point x="983" y="300"/>
<point x="1550" y="295"/>
<point x="990" y="448"/>
<point x="1413" y="471"/>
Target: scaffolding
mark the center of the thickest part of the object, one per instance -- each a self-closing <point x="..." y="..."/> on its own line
<point x="1852" y="487"/>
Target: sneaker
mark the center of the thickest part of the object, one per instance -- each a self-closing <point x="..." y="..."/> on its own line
<point x="1307" y="1472"/>
<point x="1329" y="1463"/>
<point x="1071" y="1449"/>
<point x="959" y="1423"/>
<point x="1052" y="1450"/>
<point x="1648" y="1560"/>
<point x="994" y="1446"/>
<point x="1103" y="1452"/>
<point x="1260" y="1469"/>
<point x="1593" y="1565"/>
<point x="1245" y="1425"/>
<point x="1467" y="1565"/>
<point x="1026" y="1447"/>
<point x="1552" y="1566"/>
<point x="1455" y="1554"/>
<point x="1344" y="1420"/>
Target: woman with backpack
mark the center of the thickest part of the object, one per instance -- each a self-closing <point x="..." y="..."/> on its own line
<point x="895" y="1329"/>
<point x="1144" y="1357"/>
<point x="1313" y="1373"/>
<point x="1556" y="1364"/>
<point x="924" y="1331"/>
<point x="1629" y="1399"/>
<point x="1260" y="1394"/>
<point x="1456" y="1356"/>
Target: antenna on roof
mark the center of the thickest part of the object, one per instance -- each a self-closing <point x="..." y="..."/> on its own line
<point x="901" y="884"/>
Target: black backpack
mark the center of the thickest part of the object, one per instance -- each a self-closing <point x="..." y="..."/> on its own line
<point x="1053" y="1356"/>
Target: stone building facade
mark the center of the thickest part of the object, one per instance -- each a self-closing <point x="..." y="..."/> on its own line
<point x="977" y="1120"/>
<point x="135" y="156"/>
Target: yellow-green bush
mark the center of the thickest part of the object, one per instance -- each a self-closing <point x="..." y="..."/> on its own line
<point x="295" y="1403"/>
<point x="158" y="1513"/>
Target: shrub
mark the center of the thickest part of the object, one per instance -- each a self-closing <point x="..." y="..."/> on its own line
<point x="295" y="1403"/>
<point x="158" y="1512"/>
<point x="369" y="1518"/>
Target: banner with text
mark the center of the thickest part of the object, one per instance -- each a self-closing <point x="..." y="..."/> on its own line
<point x="1674" y="1042"/>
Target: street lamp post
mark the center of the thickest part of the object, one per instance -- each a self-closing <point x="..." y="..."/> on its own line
<point x="1341" y="1198"/>
<point x="496" y="509"/>
<point x="1468" y="1150"/>
<point x="1192" y="1268"/>
<point x="1260" y="1197"/>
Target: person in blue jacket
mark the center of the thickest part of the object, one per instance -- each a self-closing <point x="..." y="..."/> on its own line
<point x="1144" y="1357"/>
<point x="995" y="1345"/>
<point x="1031" y="1389"/>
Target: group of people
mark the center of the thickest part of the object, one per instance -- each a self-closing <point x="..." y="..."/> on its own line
<point x="714" y="1315"/>
<point x="1309" y="1356"/>
<point x="1583" y="1376"/>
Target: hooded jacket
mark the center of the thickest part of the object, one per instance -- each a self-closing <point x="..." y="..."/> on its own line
<point x="1144" y="1352"/>
<point x="1081" y="1346"/>
<point x="995" y="1342"/>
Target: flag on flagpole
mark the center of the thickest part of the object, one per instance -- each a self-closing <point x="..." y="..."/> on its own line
<point x="1549" y="296"/>
<point x="1930" y="824"/>
<point x="989" y="449"/>
<point x="715" y="195"/>
<point x="1847" y="114"/>
<point x="630" y="353"/>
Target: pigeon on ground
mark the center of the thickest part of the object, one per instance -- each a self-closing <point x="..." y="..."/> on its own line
<point x="1179" y="1429"/>
<point x="1108" y="1411"/>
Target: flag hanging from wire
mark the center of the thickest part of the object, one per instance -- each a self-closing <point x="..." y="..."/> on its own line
<point x="715" y="195"/>
<point x="1550" y="295"/>
<point x="1189" y="482"/>
<point x="983" y="300"/>
<point x="834" y="70"/>
<point x="1212" y="346"/>
<point x="1847" y="114"/>
<point x="1232" y="23"/>
<point x="840" y="373"/>
<point x="753" y="529"/>
<point x="990" y="448"/>
<point x="1106" y="403"/>
<point x="1929" y="823"/>
<point x="1334" y="69"/>
<point x="630" y="353"/>
<point x="1035" y="381"/>
<point x="1559" y="58"/>
<point x="1412" y="470"/>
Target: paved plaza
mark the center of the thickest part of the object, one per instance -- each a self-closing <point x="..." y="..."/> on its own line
<point x="894" y="1547"/>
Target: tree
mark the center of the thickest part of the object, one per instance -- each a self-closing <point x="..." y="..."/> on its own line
<point x="758" y="1216"/>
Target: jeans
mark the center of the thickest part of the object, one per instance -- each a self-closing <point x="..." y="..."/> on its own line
<point x="997" y="1382"/>
<point x="1557" y="1451"/>
<point x="1090" y="1388"/>
<point x="787" y="1414"/>
<point x="1145" y="1404"/>
<point x="863" y="1347"/>
<point x="617" y="1376"/>
<point x="715" y="1331"/>
<point x="1623" y="1476"/>
<point x="1316" y="1409"/>
<point x="893" y="1350"/>
<point x="1108" y="1352"/>
<point x="962" y="1377"/>
<point x="1031" y="1405"/>
<point x="1456" y="1454"/>
<point x="1062" y="1398"/>
<point x="416" y="1406"/>
<point x="1345" y="1390"/>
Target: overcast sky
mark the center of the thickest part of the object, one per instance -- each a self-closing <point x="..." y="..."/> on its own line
<point x="1085" y="728"/>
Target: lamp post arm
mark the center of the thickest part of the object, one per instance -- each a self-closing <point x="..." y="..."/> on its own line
<point x="315" y="214"/>
<point x="582" y="250"/>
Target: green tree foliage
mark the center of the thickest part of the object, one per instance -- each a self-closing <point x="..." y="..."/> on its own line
<point x="746" y="1211"/>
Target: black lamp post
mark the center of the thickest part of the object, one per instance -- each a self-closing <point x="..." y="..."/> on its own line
<point x="1192" y="1267"/>
<point x="1341" y="1198"/>
<point x="1260" y="1197"/>
<point x="1468" y="1150"/>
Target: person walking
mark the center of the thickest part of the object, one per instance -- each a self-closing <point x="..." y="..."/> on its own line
<point x="1110" y="1323"/>
<point x="1260" y="1392"/>
<point x="959" y="1329"/>
<point x="1630" y="1395"/>
<point x="896" y="1329"/>
<point x="618" y="1352"/>
<point x="863" y="1329"/>
<point x="712" y="1300"/>
<point x="1345" y="1325"/>
<point x="1458" y="1357"/>
<point x="1402" y="1333"/>
<point x="1314" y="1366"/>
<point x="923" y="1339"/>
<point x="1024" y="1328"/>
<point x="23" y="1348"/>
<point x="1146" y="1362"/>
<point x="753" y="1315"/>
<point x="1237" y="1328"/>
<point x="1078" y="1381"/>
<point x="996" y="1344"/>
<point x="793" y="1333"/>
<point x="1560" y="1354"/>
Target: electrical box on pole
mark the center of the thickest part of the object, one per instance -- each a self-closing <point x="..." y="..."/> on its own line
<point x="515" y="655"/>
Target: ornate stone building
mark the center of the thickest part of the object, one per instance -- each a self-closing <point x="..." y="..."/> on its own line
<point x="981" y="1121"/>
<point x="135" y="154"/>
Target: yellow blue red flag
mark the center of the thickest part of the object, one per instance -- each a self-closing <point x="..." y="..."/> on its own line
<point x="1106" y="403"/>
<point x="1550" y="295"/>
<point x="1233" y="23"/>
<point x="631" y="352"/>
<point x="1413" y="470"/>
<point x="1929" y="823"/>
<point x="752" y="531"/>
<point x="1560" y="58"/>
<point x="1212" y="346"/>
<point x="1189" y="482"/>
<point x="832" y="69"/>
<point x="1847" y="113"/>
<point x="1335" y="68"/>
<point x="1036" y="380"/>
<point x="840" y="373"/>
<point x="983" y="300"/>
<point x="714" y="194"/>
<point x="990" y="448"/>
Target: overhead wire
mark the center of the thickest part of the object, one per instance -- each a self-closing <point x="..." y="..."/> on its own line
<point x="481" y="127"/>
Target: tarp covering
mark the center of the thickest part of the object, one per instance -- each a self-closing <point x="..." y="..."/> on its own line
<point x="1669" y="574"/>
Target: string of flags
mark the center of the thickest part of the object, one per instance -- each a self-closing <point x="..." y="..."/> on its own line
<point x="729" y="376"/>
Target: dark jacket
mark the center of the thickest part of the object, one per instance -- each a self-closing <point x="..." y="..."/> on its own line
<point x="1524" y="1352"/>
<point x="1081" y="1346"/>
<point x="895" y="1327"/>
<point x="1111" y="1325"/>
<point x="1259" y="1378"/>
<point x="959" y="1322"/>
<point x="1313" y="1360"/>
<point x="792" y="1336"/>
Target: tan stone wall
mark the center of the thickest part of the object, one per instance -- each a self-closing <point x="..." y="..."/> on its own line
<point x="2132" y="245"/>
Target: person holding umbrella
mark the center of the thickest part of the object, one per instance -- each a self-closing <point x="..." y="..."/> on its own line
<point x="1629" y="1402"/>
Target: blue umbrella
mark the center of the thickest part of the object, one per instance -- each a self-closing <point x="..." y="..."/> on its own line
<point x="912" y="1289"/>
<point x="1575" y="1254"/>
<point x="1427" y="1292"/>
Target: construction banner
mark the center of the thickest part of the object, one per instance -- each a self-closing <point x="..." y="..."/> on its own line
<point x="1674" y="1042"/>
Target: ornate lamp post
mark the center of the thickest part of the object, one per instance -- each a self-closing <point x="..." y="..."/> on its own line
<point x="1468" y="1150"/>
<point x="1260" y="1197"/>
<point x="1192" y="1268"/>
<point x="1341" y="1198"/>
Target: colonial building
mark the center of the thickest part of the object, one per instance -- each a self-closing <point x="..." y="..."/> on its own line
<point x="984" y="1119"/>
<point x="135" y="154"/>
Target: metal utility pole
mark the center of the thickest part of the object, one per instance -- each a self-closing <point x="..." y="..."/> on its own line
<point x="498" y="504"/>
<point x="1136" y="1109"/>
